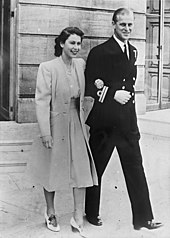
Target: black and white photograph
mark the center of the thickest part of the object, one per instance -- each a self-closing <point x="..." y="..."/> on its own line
<point x="85" y="118"/>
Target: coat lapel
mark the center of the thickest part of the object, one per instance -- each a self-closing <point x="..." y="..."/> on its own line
<point x="80" y="76"/>
<point x="63" y="81"/>
<point x="132" y="53"/>
<point x="117" y="50"/>
<point x="114" y="46"/>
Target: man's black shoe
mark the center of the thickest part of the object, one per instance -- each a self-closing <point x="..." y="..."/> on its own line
<point x="149" y="225"/>
<point x="96" y="221"/>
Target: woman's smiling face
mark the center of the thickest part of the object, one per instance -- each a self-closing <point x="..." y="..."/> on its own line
<point x="71" y="46"/>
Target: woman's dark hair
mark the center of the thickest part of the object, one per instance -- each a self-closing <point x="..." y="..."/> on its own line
<point x="64" y="35"/>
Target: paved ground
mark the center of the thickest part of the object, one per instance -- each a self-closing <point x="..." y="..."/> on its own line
<point x="22" y="207"/>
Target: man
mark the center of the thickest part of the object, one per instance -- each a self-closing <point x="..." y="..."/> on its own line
<point x="110" y="79"/>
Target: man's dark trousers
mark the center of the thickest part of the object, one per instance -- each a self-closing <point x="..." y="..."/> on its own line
<point x="103" y="142"/>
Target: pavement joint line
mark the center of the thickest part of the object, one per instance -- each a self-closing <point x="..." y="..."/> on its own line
<point x="152" y="120"/>
<point x="10" y="204"/>
<point x="14" y="205"/>
<point x="156" y="136"/>
<point x="13" y="180"/>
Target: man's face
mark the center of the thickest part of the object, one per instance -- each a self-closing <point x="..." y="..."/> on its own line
<point x="124" y="25"/>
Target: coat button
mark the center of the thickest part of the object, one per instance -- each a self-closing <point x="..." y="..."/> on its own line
<point x="133" y="101"/>
<point x="134" y="78"/>
<point x="123" y="87"/>
<point x="124" y="80"/>
<point x="133" y="94"/>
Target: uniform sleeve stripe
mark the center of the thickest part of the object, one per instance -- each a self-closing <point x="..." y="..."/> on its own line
<point x="103" y="94"/>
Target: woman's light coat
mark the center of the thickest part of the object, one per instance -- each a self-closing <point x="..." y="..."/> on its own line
<point x="52" y="109"/>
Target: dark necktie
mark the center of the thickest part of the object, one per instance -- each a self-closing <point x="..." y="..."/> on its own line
<point x="125" y="51"/>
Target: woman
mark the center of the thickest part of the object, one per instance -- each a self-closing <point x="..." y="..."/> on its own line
<point x="62" y="156"/>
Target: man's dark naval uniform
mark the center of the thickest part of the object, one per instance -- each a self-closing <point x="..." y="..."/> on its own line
<point x="113" y="124"/>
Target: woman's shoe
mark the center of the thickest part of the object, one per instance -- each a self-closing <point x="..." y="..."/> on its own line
<point x="76" y="228"/>
<point x="51" y="222"/>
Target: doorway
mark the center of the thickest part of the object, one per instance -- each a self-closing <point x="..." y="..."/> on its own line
<point x="6" y="60"/>
<point x="157" y="83"/>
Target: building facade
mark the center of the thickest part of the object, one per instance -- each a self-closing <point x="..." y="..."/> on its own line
<point x="29" y="27"/>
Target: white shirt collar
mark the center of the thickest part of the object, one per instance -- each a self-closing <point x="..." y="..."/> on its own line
<point x="121" y="44"/>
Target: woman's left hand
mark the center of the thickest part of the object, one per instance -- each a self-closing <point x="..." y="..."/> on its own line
<point x="47" y="141"/>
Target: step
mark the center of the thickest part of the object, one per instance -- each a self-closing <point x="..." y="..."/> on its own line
<point x="11" y="161"/>
<point x="14" y="155"/>
<point x="15" y="145"/>
<point x="10" y="130"/>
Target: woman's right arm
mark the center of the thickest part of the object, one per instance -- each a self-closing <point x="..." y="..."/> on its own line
<point x="43" y="97"/>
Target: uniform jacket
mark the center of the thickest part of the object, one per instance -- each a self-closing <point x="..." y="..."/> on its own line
<point x="108" y="63"/>
<point x="52" y="109"/>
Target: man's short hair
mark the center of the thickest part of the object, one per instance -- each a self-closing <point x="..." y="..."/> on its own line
<point x="121" y="11"/>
